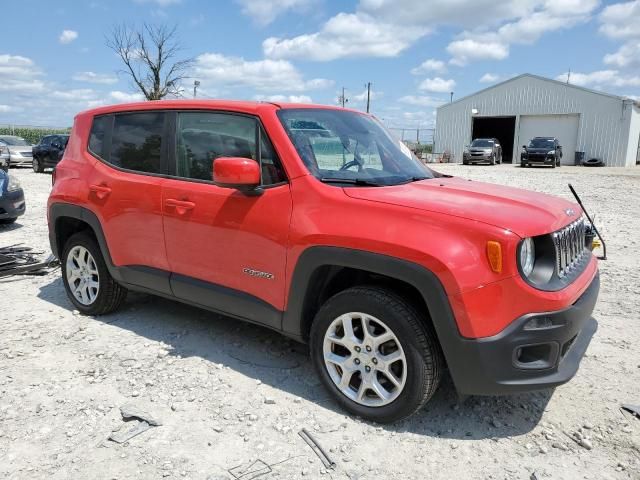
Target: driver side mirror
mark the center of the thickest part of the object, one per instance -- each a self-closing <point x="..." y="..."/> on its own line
<point x="56" y="145"/>
<point x="236" y="172"/>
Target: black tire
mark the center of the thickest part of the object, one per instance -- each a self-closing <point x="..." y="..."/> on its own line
<point x="111" y="295"/>
<point x="558" y="163"/>
<point x="464" y="162"/>
<point x="418" y="340"/>
<point x="36" y="165"/>
<point x="8" y="221"/>
<point x="493" y="159"/>
<point x="523" y="164"/>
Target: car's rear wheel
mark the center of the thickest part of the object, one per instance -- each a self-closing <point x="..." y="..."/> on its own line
<point x="8" y="221"/>
<point x="375" y="354"/>
<point x="90" y="287"/>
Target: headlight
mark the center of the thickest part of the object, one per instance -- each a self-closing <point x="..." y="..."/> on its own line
<point x="13" y="185"/>
<point x="527" y="256"/>
<point x="551" y="152"/>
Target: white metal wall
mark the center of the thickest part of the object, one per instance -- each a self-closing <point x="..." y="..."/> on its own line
<point x="563" y="127"/>
<point x="604" y="126"/>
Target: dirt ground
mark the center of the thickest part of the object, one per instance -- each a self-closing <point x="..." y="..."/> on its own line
<point x="230" y="394"/>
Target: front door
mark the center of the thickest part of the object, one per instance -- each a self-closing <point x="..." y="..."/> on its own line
<point x="227" y="250"/>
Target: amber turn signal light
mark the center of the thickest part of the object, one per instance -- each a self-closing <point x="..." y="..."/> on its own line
<point x="494" y="254"/>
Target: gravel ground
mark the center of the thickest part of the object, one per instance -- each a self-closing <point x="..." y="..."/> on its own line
<point x="230" y="394"/>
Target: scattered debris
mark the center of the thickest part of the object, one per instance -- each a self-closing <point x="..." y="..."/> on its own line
<point x="129" y="411"/>
<point x="632" y="409"/>
<point x="140" y="421"/>
<point x="124" y="436"/>
<point x="19" y="260"/>
<point x="253" y="470"/>
<point x="581" y="440"/>
<point x="317" y="449"/>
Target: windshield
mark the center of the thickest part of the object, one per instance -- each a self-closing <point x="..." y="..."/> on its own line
<point x="11" y="140"/>
<point x="348" y="147"/>
<point x="482" y="143"/>
<point x="541" y="143"/>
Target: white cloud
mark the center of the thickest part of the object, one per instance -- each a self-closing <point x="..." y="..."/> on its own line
<point x="421" y="100"/>
<point x="19" y="75"/>
<point x="621" y="20"/>
<point x="284" y="98"/>
<point x="124" y="97"/>
<point x="219" y="70"/>
<point x="430" y="65"/>
<point x="263" y="12"/>
<point x="539" y="17"/>
<point x="92" y="77"/>
<point x="489" y="78"/>
<point x="627" y="55"/>
<point x="67" y="36"/>
<point x="6" y="108"/>
<point x="467" y="50"/>
<point x="437" y="84"/>
<point x="346" y="35"/>
<point x="601" y="78"/>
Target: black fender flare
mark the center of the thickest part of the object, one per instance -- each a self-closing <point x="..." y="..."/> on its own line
<point x="421" y="278"/>
<point x="67" y="210"/>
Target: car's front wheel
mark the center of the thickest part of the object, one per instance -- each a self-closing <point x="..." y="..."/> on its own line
<point x="90" y="287"/>
<point x="375" y="353"/>
<point x="37" y="166"/>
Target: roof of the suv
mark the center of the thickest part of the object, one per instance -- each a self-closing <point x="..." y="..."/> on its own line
<point x="231" y="105"/>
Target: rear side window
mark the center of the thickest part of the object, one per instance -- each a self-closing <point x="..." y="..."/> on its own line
<point x="136" y="141"/>
<point x="96" y="138"/>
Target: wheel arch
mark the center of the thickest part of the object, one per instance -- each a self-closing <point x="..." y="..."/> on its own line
<point x="323" y="271"/>
<point x="66" y="219"/>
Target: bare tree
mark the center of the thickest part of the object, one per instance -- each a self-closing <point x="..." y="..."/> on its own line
<point x="149" y="55"/>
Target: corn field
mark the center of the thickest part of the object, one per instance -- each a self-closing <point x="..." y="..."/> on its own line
<point x="31" y="134"/>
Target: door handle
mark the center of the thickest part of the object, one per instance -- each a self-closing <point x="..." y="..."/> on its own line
<point x="101" y="191"/>
<point x="181" y="206"/>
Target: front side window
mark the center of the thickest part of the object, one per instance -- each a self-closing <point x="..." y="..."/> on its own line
<point x="136" y="141"/>
<point x="202" y="137"/>
<point x="45" y="141"/>
<point x="340" y="146"/>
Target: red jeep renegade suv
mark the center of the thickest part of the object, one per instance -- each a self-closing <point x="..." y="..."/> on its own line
<point x="315" y="222"/>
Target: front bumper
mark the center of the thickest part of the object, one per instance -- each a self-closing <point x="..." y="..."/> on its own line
<point x="541" y="159"/>
<point x="20" y="160"/>
<point x="520" y="358"/>
<point x="478" y="158"/>
<point x="12" y="205"/>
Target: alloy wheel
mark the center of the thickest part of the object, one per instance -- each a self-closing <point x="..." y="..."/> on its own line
<point x="82" y="275"/>
<point x="365" y="359"/>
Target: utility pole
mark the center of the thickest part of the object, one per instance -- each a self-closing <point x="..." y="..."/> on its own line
<point x="368" y="95"/>
<point x="196" y="84"/>
<point x="568" y="76"/>
<point x="451" y="100"/>
<point x="342" y="100"/>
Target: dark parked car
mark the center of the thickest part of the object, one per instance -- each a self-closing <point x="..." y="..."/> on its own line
<point x="48" y="152"/>
<point x="541" y="151"/>
<point x="12" y="203"/>
<point x="483" y="150"/>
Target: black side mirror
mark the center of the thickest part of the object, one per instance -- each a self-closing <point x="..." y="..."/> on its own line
<point x="56" y="145"/>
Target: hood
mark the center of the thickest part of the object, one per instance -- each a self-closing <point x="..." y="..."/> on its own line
<point x="523" y="212"/>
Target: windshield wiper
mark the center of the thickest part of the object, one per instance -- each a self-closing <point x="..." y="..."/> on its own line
<point x="351" y="181"/>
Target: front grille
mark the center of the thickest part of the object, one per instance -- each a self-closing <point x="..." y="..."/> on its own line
<point x="570" y="246"/>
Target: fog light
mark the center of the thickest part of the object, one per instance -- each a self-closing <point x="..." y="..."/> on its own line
<point x="537" y="323"/>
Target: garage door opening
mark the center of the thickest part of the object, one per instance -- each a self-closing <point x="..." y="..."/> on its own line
<point x="502" y="128"/>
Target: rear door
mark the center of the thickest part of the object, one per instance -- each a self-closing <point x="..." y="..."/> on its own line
<point x="227" y="250"/>
<point x="125" y="193"/>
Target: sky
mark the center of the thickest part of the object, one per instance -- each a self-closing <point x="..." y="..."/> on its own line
<point x="54" y="61"/>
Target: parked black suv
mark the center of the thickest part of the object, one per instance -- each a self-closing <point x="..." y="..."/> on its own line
<point x="48" y="152"/>
<point x="483" y="150"/>
<point x="541" y="151"/>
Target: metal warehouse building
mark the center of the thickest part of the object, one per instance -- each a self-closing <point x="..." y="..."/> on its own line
<point x="602" y="126"/>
